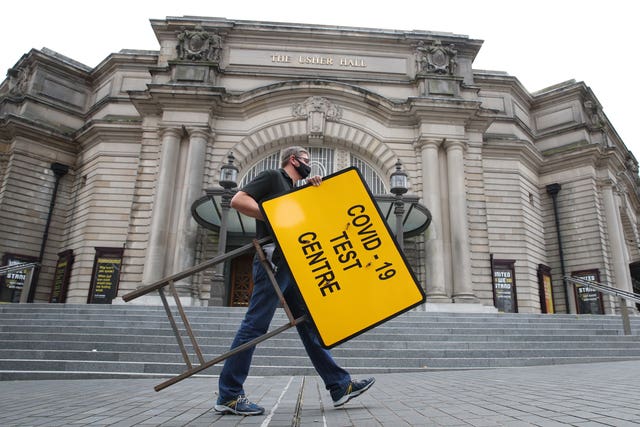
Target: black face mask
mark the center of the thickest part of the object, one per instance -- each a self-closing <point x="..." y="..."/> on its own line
<point x="303" y="169"/>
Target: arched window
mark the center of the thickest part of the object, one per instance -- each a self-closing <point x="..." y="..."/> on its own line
<point x="371" y="177"/>
<point x="271" y="162"/>
<point x="323" y="162"/>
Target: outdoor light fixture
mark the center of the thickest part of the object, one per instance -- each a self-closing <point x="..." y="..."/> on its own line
<point x="399" y="186"/>
<point x="229" y="173"/>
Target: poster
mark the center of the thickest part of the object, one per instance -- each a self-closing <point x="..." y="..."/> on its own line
<point x="546" y="289"/>
<point x="504" y="286"/>
<point x="588" y="299"/>
<point x="12" y="284"/>
<point x="106" y="275"/>
<point x="61" y="277"/>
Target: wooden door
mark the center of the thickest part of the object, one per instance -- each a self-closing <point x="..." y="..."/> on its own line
<point x="241" y="280"/>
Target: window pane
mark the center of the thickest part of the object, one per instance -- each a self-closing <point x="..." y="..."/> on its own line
<point x="321" y="163"/>
<point x="271" y="162"/>
<point x="373" y="180"/>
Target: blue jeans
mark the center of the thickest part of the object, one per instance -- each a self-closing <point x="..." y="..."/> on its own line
<point x="262" y="307"/>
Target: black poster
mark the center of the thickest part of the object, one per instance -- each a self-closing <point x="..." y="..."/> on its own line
<point x="545" y="289"/>
<point x="106" y="275"/>
<point x="11" y="284"/>
<point x="61" y="277"/>
<point x="588" y="299"/>
<point x="504" y="286"/>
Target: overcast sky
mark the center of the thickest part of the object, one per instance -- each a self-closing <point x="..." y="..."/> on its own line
<point x="540" y="42"/>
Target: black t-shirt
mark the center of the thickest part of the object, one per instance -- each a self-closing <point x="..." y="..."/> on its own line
<point x="269" y="183"/>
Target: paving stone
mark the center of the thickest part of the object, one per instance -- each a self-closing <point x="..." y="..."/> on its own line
<point x="581" y="395"/>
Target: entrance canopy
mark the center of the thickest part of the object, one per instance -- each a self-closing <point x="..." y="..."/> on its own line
<point x="207" y="211"/>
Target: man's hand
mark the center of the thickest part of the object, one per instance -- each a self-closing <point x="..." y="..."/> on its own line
<point x="315" y="180"/>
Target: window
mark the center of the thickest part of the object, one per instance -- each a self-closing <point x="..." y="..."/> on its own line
<point x="373" y="180"/>
<point x="322" y="163"/>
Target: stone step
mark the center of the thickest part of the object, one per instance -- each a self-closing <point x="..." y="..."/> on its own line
<point x="393" y="357"/>
<point x="93" y="341"/>
<point x="353" y="345"/>
<point x="219" y="323"/>
<point x="382" y="333"/>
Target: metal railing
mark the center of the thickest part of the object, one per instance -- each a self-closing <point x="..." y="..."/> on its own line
<point x="29" y="268"/>
<point x="169" y="281"/>
<point x="621" y="294"/>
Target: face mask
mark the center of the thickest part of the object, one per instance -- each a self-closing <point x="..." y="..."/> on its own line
<point x="303" y="169"/>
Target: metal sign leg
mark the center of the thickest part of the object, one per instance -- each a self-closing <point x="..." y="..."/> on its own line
<point x="168" y="281"/>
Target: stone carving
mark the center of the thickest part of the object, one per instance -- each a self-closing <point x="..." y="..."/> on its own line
<point x="594" y="114"/>
<point x="317" y="109"/>
<point x="18" y="81"/>
<point x="436" y="58"/>
<point x="199" y="45"/>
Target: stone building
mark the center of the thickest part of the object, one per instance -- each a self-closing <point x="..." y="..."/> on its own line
<point x="101" y="167"/>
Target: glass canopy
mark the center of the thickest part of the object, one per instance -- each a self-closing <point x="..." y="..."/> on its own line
<point x="207" y="211"/>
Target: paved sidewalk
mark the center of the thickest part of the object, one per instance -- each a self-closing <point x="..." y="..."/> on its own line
<point x="601" y="394"/>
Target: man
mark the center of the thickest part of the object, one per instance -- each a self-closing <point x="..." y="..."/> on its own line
<point x="295" y="165"/>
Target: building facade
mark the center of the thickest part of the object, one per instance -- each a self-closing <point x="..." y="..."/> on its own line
<point x="100" y="167"/>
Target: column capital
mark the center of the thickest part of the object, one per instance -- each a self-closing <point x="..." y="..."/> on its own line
<point x="450" y="144"/>
<point x="423" y="143"/>
<point x="200" y="132"/>
<point x="167" y="132"/>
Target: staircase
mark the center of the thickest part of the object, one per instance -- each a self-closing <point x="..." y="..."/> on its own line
<point x="55" y="341"/>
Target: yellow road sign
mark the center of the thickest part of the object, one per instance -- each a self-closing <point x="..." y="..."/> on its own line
<point x="343" y="256"/>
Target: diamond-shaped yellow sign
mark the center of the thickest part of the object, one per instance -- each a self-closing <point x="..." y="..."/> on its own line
<point x="343" y="256"/>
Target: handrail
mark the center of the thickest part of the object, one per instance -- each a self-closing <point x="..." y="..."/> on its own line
<point x="604" y="288"/>
<point x="622" y="294"/>
<point x="10" y="268"/>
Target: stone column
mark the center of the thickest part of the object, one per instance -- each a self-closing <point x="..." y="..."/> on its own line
<point x="435" y="286"/>
<point x="154" y="265"/>
<point x="460" y="245"/>
<point x="184" y="252"/>
<point x="622" y="279"/>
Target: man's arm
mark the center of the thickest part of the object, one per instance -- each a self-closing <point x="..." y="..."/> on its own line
<point x="245" y="204"/>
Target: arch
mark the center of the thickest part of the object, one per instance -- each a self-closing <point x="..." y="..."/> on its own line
<point x="289" y="130"/>
<point x="276" y="136"/>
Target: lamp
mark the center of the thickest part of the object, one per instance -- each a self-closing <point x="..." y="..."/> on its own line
<point x="229" y="173"/>
<point x="228" y="181"/>
<point x="399" y="185"/>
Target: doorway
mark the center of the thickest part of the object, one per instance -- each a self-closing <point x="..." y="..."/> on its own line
<point x="241" y="280"/>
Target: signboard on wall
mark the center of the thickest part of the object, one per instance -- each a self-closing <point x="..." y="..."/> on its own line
<point x="11" y="284"/>
<point x="545" y="289"/>
<point x="504" y="285"/>
<point x="61" y="277"/>
<point x="106" y="275"/>
<point x="588" y="299"/>
<point x="348" y="267"/>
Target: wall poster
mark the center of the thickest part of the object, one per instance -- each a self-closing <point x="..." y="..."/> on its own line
<point x="504" y="285"/>
<point x="588" y="299"/>
<point x="11" y="284"/>
<point x="61" y="277"/>
<point x="545" y="289"/>
<point x="106" y="275"/>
